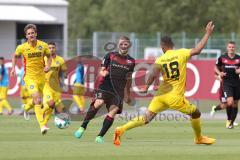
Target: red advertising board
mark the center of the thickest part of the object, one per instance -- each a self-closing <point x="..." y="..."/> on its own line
<point x="201" y="83"/>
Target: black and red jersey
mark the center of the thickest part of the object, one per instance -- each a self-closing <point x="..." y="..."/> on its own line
<point x="229" y="66"/>
<point x="119" y="67"/>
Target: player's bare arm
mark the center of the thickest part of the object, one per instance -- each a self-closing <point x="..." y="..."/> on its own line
<point x="208" y="31"/>
<point x="221" y="74"/>
<point x="127" y="98"/>
<point x="49" y="62"/>
<point x="154" y="74"/>
<point x="13" y="71"/>
<point x="103" y="71"/>
<point x="237" y="71"/>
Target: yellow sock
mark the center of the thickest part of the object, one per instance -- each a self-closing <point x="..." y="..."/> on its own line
<point x="39" y="114"/>
<point x="196" y="125"/>
<point x="7" y="105"/>
<point x="136" y="122"/>
<point x="24" y="101"/>
<point x="47" y="115"/>
<point x="80" y="101"/>
<point x="1" y="106"/>
<point x="28" y="105"/>
<point x="45" y="107"/>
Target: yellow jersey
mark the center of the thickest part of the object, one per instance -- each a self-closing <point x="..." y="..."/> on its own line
<point x="173" y="66"/>
<point x="52" y="77"/>
<point x="33" y="58"/>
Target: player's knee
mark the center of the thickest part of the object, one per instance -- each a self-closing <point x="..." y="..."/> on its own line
<point x="37" y="100"/>
<point x="230" y="103"/>
<point x="196" y="114"/>
<point x="98" y="103"/>
<point x="113" y="112"/>
<point x="51" y="103"/>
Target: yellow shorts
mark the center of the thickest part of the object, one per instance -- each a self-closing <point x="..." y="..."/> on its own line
<point x="170" y="101"/>
<point x="78" y="89"/>
<point x="24" y="92"/>
<point x="3" y="92"/>
<point x="50" y="94"/>
<point x="34" y="84"/>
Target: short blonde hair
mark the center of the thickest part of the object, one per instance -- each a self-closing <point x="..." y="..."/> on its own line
<point x="124" y="38"/>
<point x="30" y="26"/>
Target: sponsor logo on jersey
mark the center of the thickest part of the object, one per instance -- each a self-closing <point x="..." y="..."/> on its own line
<point x="129" y="61"/>
<point x="40" y="47"/>
<point x="35" y="54"/>
<point x="31" y="86"/>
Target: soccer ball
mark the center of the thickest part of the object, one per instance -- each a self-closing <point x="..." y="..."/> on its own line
<point x="62" y="121"/>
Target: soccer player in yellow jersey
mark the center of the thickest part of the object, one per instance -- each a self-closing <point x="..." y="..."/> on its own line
<point x="33" y="52"/>
<point x="170" y="95"/>
<point x="52" y="89"/>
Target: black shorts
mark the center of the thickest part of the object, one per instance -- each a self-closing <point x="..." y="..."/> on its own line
<point x="109" y="99"/>
<point x="230" y="90"/>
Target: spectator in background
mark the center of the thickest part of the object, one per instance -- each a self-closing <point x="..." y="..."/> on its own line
<point x="78" y="87"/>
<point x="4" y="82"/>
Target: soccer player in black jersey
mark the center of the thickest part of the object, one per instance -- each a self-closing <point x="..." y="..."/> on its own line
<point x="113" y="86"/>
<point x="227" y="67"/>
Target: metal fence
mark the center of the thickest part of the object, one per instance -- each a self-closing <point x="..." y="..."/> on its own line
<point x="140" y="42"/>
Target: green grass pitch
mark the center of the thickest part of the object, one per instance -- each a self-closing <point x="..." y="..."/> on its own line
<point x="21" y="140"/>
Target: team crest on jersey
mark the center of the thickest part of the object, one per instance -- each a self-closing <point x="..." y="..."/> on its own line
<point x="40" y="47"/>
<point x="31" y="86"/>
<point x="129" y="61"/>
<point x="57" y="62"/>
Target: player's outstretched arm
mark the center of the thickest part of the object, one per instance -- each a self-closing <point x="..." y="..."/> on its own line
<point x="208" y="31"/>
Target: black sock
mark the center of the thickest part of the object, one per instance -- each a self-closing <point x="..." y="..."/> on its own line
<point x="90" y="115"/>
<point x="218" y="107"/>
<point x="229" y="112"/>
<point x="234" y="114"/>
<point x="107" y="123"/>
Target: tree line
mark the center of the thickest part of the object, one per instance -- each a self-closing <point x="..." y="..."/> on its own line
<point x="150" y="16"/>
